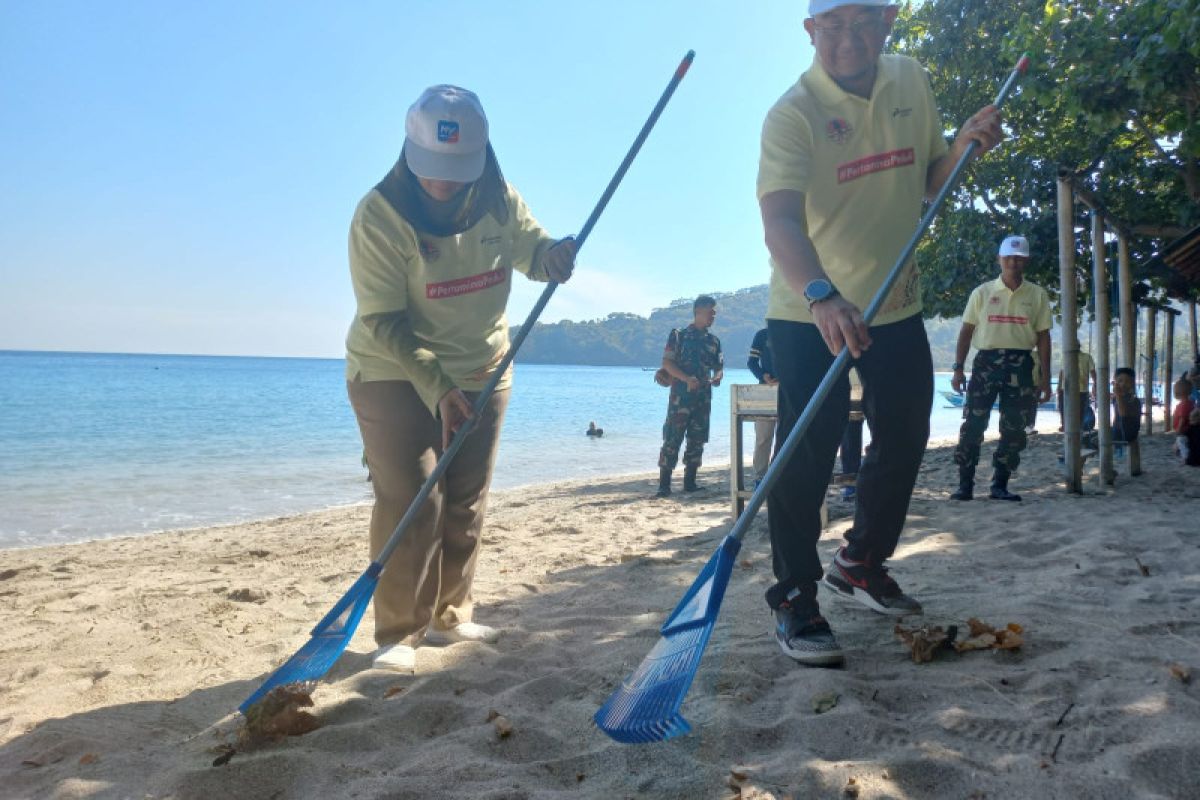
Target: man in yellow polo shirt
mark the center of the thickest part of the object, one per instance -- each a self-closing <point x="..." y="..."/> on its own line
<point x="848" y="155"/>
<point x="1004" y="320"/>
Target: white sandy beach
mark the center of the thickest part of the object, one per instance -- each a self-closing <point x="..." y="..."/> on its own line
<point x="122" y="660"/>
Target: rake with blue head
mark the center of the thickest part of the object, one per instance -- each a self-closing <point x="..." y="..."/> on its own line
<point x="331" y="635"/>
<point x="645" y="707"/>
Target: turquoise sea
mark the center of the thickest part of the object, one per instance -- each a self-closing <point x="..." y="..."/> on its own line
<point x="97" y="445"/>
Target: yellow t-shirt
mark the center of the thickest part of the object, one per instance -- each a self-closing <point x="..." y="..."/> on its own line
<point x="861" y="165"/>
<point x="453" y="290"/>
<point x="1086" y="367"/>
<point x="1007" y="320"/>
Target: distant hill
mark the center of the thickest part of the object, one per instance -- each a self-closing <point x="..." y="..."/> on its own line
<point x="629" y="340"/>
<point x="623" y="339"/>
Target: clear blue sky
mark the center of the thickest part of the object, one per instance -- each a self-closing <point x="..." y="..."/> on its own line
<point x="179" y="177"/>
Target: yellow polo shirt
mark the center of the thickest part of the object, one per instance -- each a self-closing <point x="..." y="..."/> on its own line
<point x="1086" y="367"/>
<point x="861" y="165"/>
<point x="1007" y="320"/>
<point x="453" y="289"/>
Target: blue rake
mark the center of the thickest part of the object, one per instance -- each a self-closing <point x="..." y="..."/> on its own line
<point x="645" y="708"/>
<point x="329" y="639"/>
<point x="331" y="635"/>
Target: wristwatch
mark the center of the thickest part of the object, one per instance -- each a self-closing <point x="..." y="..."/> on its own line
<point x="956" y="366"/>
<point x="818" y="290"/>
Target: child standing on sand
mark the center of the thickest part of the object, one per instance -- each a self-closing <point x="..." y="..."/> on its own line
<point x="1180" y="418"/>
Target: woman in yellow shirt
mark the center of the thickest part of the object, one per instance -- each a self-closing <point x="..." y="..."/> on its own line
<point x="432" y="251"/>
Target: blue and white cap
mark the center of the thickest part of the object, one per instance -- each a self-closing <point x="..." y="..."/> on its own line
<point x="1014" y="246"/>
<point x="446" y="135"/>
<point x="821" y="6"/>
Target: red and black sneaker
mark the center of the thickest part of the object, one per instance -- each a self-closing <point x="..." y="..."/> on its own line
<point x="871" y="586"/>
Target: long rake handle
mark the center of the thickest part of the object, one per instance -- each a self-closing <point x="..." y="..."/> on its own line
<point x="489" y="389"/>
<point x="742" y="526"/>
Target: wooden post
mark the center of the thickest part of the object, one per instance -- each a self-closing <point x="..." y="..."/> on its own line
<point x="1168" y="375"/>
<point x="1103" y="323"/>
<point x="1128" y="355"/>
<point x="1148" y="411"/>
<point x="1068" y="305"/>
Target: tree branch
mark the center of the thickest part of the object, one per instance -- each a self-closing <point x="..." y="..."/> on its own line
<point x="1145" y="131"/>
<point x="1091" y="200"/>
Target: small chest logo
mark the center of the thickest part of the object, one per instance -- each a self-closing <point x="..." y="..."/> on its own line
<point x="901" y="112"/>
<point x="838" y="130"/>
<point x="429" y="251"/>
<point x="490" y="240"/>
<point x="447" y="131"/>
<point x="995" y="301"/>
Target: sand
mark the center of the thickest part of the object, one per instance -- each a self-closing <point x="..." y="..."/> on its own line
<point x="122" y="660"/>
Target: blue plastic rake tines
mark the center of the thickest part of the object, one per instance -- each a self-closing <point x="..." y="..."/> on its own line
<point x="328" y="639"/>
<point x="333" y="633"/>
<point x="645" y="708"/>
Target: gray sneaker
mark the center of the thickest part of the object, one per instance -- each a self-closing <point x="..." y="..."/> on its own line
<point x="805" y="636"/>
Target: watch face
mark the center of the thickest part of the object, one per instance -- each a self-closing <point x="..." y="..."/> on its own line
<point x="818" y="290"/>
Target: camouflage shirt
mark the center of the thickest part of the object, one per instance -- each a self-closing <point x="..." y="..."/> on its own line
<point x="697" y="352"/>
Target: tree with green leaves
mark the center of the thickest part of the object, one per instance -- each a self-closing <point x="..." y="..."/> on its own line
<point x="1112" y="98"/>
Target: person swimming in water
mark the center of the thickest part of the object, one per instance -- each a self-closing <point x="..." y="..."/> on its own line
<point x="594" y="431"/>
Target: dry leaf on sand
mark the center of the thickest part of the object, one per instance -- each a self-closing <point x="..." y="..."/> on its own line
<point x="1181" y="673"/>
<point x="500" y="722"/>
<point x="825" y="701"/>
<point x="985" y="637"/>
<point x="926" y="640"/>
<point x="503" y="727"/>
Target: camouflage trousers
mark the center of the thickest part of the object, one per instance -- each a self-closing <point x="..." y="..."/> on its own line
<point x="1007" y="374"/>
<point x="687" y="415"/>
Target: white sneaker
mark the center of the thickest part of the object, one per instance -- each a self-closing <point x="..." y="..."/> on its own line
<point x="462" y="632"/>
<point x="398" y="657"/>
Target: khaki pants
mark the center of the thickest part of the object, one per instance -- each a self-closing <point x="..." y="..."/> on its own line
<point x="427" y="581"/>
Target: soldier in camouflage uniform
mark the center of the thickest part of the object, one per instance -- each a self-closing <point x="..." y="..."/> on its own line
<point x="694" y="361"/>
<point x="1004" y="320"/>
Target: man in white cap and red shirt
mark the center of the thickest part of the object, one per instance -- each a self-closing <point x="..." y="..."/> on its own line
<point x="849" y="153"/>
<point x="433" y="248"/>
<point x="1005" y="320"/>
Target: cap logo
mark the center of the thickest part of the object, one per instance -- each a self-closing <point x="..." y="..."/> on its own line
<point x="447" y="131"/>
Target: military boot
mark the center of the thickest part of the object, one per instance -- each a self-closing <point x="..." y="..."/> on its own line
<point x="966" y="484"/>
<point x="664" y="483"/>
<point x="1000" y="485"/>
<point x="689" y="479"/>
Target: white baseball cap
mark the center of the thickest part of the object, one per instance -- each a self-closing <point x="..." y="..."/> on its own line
<point x="446" y="135"/>
<point x="821" y="6"/>
<point x="1015" y="246"/>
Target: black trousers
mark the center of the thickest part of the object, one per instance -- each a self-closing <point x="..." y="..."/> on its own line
<point x="897" y="377"/>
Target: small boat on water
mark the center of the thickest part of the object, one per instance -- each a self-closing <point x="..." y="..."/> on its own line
<point x="957" y="400"/>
